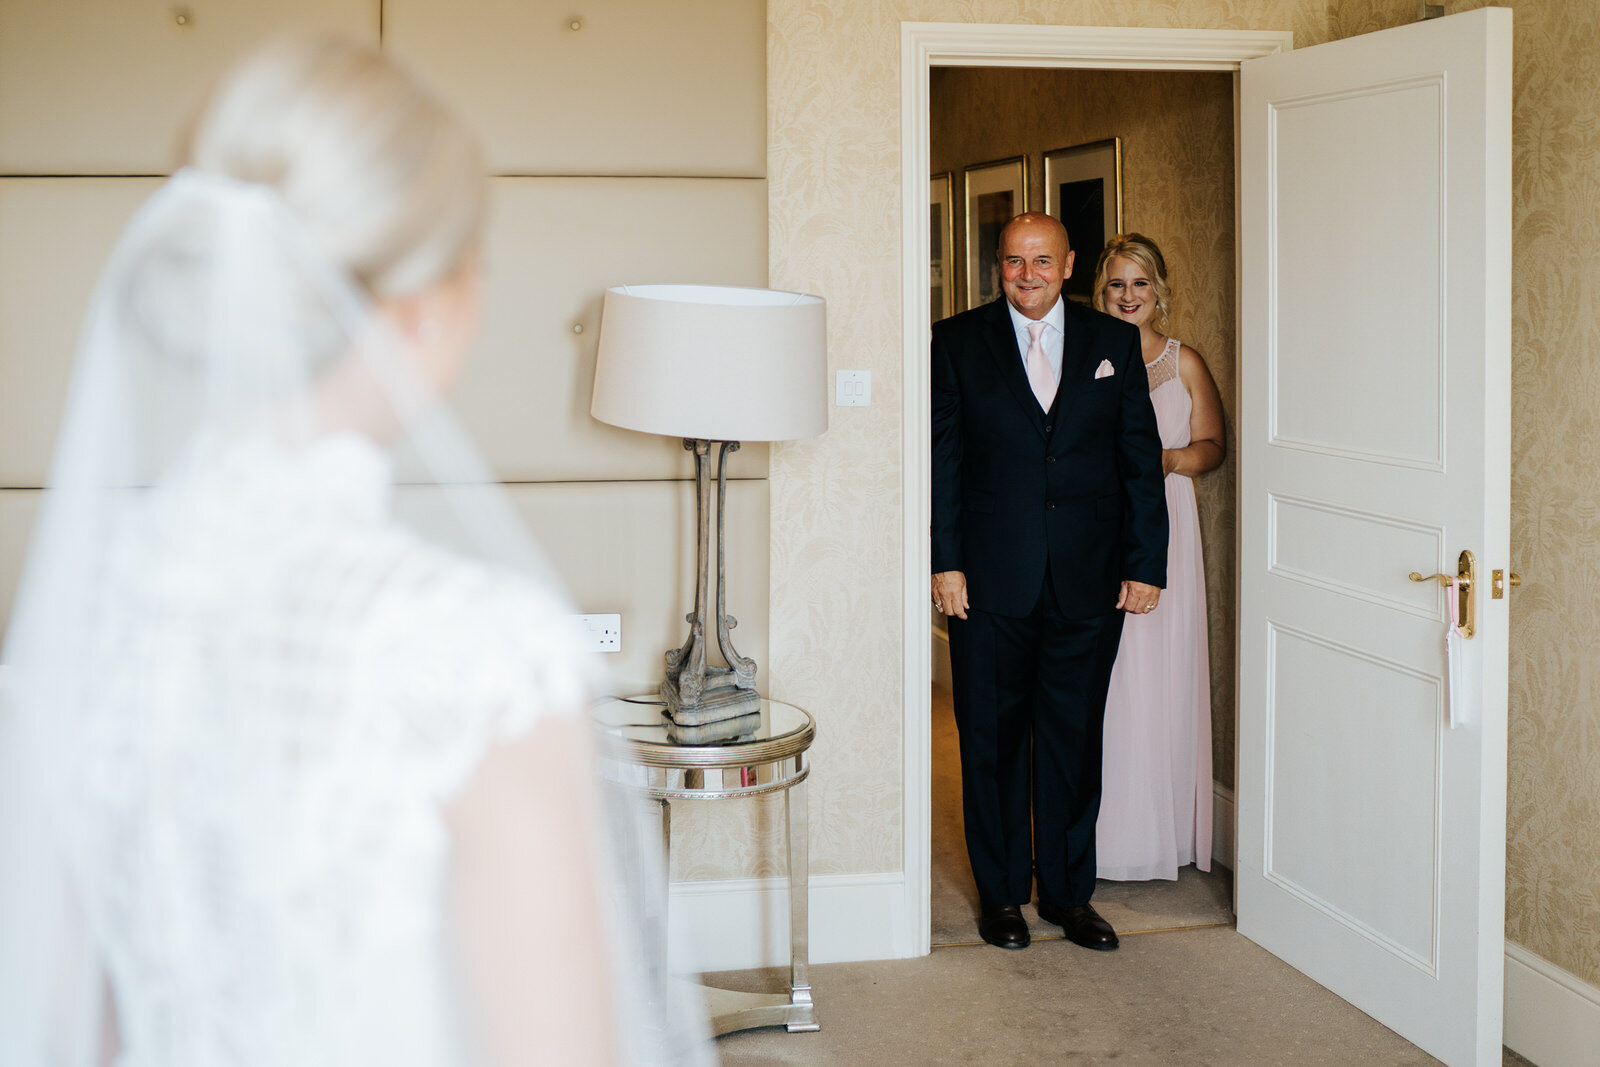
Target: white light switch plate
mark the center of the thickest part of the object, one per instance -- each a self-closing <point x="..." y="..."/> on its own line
<point x="852" y="388"/>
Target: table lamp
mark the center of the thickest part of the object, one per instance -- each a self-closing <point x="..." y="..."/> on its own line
<point x="714" y="365"/>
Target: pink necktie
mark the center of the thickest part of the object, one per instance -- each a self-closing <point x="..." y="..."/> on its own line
<point x="1040" y="376"/>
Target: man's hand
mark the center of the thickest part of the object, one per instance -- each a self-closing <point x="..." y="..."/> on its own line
<point x="950" y="593"/>
<point x="1137" y="598"/>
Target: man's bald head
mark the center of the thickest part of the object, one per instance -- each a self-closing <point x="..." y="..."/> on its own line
<point x="1044" y="224"/>
<point x="1034" y="261"/>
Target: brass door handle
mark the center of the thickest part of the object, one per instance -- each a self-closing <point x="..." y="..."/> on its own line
<point x="1465" y="578"/>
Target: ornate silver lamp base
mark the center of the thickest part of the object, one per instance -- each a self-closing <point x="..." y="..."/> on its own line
<point x="696" y="692"/>
<point x="713" y="705"/>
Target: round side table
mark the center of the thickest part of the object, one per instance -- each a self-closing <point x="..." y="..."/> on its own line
<point x="768" y="758"/>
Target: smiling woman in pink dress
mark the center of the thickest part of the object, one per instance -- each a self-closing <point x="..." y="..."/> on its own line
<point x="1155" y="809"/>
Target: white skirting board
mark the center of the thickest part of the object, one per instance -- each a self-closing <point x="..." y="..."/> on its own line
<point x="1222" y="825"/>
<point x="1552" y="1015"/>
<point x="738" y="924"/>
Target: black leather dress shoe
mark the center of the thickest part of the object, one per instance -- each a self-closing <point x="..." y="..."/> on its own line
<point x="1082" y="924"/>
<point x="1003" y="925"/>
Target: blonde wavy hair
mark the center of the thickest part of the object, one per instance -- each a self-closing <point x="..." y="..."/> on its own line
<point x="1145" y="253"/>
<point x="384" y="178"/>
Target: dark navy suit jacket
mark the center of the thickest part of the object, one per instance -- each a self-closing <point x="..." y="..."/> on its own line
<point x="1015" y="487"/>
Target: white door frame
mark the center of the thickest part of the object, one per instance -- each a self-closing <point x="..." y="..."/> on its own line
<point x="924" y="45"/>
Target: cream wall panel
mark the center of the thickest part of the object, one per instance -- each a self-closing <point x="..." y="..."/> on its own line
<point x="629" y="547"/>
<point x="18" y="509"/>
<point x="555" y="245"/>
<point x="106" y="87"/>
<point x="642" y="87"/>
<point x="55" y="235"/>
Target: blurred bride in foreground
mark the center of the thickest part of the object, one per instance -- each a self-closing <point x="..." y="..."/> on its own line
<point x="294" y="763"/>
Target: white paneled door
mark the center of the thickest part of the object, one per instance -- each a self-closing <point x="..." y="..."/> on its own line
<point x="1375" y="441"/>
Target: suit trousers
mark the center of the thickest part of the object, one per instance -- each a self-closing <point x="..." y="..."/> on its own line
<point x="1030" y="704"/>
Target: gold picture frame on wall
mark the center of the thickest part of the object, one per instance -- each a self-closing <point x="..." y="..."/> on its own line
<point x="1083" y="188"/>
<point x="941" y="247"/>
<point x="994" y="193"/>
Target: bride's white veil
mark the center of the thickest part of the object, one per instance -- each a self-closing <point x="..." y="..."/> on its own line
<point x="270" y="564"/>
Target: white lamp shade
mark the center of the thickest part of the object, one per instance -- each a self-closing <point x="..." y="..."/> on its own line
<point x="712" y="362"/>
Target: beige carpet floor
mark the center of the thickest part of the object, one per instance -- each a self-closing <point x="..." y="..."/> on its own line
<point x="1183" y="989"/>
<point x="1202" y="996"/>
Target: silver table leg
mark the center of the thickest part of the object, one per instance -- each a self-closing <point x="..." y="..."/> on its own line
<point x="803" y="1014"/>
<point x="731" y="1010"/>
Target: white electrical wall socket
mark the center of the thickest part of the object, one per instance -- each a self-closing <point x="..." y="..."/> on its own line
<point x="599" y="633"/>
<point x="852" y="388"/>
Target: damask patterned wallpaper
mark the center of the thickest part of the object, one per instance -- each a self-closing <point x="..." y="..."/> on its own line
<point x="1177" y="175"/>
<point x="833" y="165"/>
<point x="1553" y="832"/>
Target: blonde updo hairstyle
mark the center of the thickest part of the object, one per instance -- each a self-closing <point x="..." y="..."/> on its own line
<point x="1145" y="253"/>
<point x="384" y="179"/>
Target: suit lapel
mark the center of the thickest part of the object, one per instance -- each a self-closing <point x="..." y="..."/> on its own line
<point x="1075" y="357"/>
<point x="1003" y="349"/>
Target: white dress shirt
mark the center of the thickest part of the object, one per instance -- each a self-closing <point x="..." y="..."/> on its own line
<point x="1052" y="339"/>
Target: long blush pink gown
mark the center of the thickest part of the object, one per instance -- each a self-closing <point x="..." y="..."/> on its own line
<point x="1155" y="806"/>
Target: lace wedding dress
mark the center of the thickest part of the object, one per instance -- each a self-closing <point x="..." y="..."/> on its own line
<point x="260" y="854"/>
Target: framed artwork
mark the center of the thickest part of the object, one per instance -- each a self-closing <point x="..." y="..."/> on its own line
<point x="941" y="248"/>
<point x="1083" y="188"/>
<point x="995" y="192"/>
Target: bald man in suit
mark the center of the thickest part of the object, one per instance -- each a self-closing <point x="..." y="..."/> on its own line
<point x="1049" y="522"/>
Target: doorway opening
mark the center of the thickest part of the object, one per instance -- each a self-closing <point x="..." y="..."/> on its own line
<point x="1137" y="151"/>
<point x="1062" y="52"/>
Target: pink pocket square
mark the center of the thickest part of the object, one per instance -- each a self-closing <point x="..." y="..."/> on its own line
<point x="1104" y="370"/>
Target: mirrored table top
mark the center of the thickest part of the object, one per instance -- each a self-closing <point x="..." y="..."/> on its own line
<point x="777" y="731"/>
